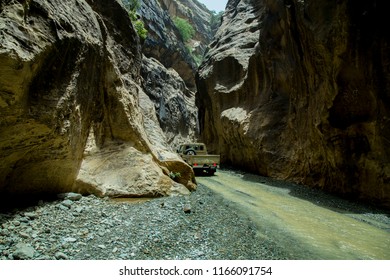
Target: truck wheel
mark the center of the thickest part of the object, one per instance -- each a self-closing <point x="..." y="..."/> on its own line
<point x="190" y="152"/>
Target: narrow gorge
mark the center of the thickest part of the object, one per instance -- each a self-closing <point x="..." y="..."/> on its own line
<point x="289" y="89"/>
<point x="299" y="90"/>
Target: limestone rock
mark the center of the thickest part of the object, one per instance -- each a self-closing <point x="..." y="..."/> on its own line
<point x="69" y="70"/>
<point x="164" y="43"/>
<point x="174" y="103"/>
<point x="299" y="90"/>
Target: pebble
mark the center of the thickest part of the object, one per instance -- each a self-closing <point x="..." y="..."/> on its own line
<point x="70" y="239"/>
<point x="73" y="196"/>
<point x="31" y="215"/>
<point x="187" y="208"/>
<point x="67" y="203"/>
<point x="23" y="251"/>
<point x="61" y="256"/>
<point x="163" y="228"/>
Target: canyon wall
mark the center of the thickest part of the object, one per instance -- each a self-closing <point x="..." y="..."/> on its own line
<point x="299" y="90"/>
<point x="72" y="117"/>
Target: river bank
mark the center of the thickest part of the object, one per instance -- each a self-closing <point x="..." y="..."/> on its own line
<point x="202" y="226"/>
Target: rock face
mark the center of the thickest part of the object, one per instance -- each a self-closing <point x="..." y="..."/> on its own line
<point x="299" y="90"/>
<point x="173" y="101"/>
<point x="197" y="15"/>
<point x="69" y="98"/>
<point x="164" y="43"/>
<point x="168" y="69"/>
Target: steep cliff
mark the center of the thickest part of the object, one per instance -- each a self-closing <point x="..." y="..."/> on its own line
<point x="198" y="16"/>
<point x="299" y="90"/>
<point x="168" y="70"/>
<point x="174" y="103"/>
<point x="70" y="115"/>
<point x="164" y="43"/>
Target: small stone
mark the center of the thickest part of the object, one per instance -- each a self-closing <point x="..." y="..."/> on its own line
<point x="187" y="209"/>
<point x="73" y="196"/>
<point x="67" y="203"/>
<point x="70" y="239"/>
<point x="16" y="223"/>
<point x="61" y="256"/>
<point x="62" y="207"/>
<point x="24" y="234"/>
<point x="24" y="220"/>
<point x="31" y="215"/>
<point x="101" y="246"/>
<point x="115" y="250"/>
<point x="23" y="251"/>
<point x="79" y="209"/>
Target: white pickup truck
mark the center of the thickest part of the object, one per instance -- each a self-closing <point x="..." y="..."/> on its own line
<point x="195" y="154"/>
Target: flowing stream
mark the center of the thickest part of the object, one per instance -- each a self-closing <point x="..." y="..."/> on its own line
<point x="301" y="222"/>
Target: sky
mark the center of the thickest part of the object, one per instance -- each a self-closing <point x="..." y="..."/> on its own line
<point x="215" y="5"/>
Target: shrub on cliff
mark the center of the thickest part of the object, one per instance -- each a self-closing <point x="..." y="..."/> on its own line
<point x="186" y="30"/>
<point x="132" y="6"/>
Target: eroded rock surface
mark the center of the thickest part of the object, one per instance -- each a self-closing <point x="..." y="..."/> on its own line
<point x="299" y="90"/>
<point x="69" y="70"/>
<point x="164" y="42"/>
<point x="174" y="103"/>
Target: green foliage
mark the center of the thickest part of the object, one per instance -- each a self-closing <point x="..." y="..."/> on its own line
<point x="215" y="21"/>
<point x="141" y="30"/>
<point x="132" y="6"/>
<point x="174" y="175"/>
<point x="186" y="30"/>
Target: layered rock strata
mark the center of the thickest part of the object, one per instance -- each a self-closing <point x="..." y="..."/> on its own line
<point x="69" y="98"/>
<point x="299" y="90"/>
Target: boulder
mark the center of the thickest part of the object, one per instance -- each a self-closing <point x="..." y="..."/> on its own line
<point x="69" y="73"/>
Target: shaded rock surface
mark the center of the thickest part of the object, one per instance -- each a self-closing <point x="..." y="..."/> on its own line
<point x="299" y="90"/>
<point x="174" y="103"/>
<point x="164" y="42"/>
<point x="69" y="98"/>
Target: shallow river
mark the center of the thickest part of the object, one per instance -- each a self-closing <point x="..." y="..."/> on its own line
<point x="305" y="228"/>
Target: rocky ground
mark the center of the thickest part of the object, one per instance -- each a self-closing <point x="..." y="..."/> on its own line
<point x="200" y="226"/>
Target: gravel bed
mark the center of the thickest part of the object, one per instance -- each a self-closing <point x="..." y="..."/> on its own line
<point x="202" y="226"/>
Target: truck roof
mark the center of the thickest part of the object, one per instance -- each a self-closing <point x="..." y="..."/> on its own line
<point x="192" y="144"/>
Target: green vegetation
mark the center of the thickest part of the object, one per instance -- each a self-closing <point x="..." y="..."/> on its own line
<point x="186" y="30"/>
<point x="132" y="6"/>
<point x="174" y="175"/>
<point x="215" y="21"/>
